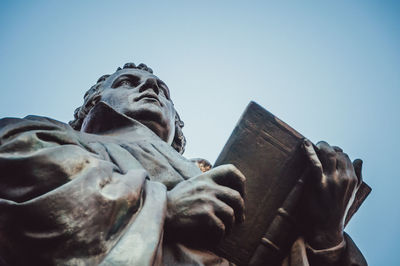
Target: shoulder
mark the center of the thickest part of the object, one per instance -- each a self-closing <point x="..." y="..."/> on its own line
<point x="31" y="122"/>
<point x="11" y="126"/>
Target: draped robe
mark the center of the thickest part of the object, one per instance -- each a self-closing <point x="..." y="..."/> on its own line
<point x="98" y="197"/>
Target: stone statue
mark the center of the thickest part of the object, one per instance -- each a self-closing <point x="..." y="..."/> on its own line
<point x="112" y="188"/>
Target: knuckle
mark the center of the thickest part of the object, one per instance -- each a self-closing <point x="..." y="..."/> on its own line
<point x="327" y="153"/>
<point x="241" y="176"/>
<point x="237" y="173"/>
<point x="203" y="211"/>
<point x="330" y="153"/>
<point x="337" y="148"/>
<point x="230" y="168"/>
<point x="202" y="200"/>
<point x="346" y="156"/>
<point x="325" y="148"/>
<point x="200" y="178"/>
<point x="348" y="178"/>
<point x="345" y="161"/>
<point x="344" y="179"/>
<point x="323" y="144"/>
<point x="201" y="186"/>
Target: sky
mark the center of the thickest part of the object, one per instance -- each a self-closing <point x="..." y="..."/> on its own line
<point x="330" y="69"/>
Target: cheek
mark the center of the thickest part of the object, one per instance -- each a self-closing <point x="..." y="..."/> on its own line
<point x="171" y="118"/>
<point x="170" y="112"/>
<point x="116" y="99"/>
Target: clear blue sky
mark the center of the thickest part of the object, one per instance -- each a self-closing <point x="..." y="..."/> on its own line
<point x="330" y="69"/>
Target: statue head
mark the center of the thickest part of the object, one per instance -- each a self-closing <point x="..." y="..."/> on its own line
<point x="134" y="91"/>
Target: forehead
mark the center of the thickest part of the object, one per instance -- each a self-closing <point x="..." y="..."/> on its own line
<point x="128" y="71"/>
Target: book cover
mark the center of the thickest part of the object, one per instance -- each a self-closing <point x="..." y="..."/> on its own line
<point x="268" y="152"/>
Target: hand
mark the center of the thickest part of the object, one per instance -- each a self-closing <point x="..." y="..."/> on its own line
<point x="328" y="194"/>
<point x="202" y="208"/>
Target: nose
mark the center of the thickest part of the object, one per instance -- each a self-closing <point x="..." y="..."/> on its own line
<point x="150" y="84"/>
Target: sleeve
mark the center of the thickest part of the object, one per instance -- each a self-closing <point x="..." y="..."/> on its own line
<point x="344" y="254"/>
<point x="63" y="204"/>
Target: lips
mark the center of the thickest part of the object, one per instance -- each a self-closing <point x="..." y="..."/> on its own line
<point x="148" y="96"/>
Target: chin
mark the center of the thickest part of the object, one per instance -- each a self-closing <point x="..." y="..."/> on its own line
<point x="148" y="112"/>
<point x="152" y="118"/>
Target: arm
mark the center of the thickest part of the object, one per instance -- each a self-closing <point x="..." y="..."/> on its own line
<point x="63" y="204"/>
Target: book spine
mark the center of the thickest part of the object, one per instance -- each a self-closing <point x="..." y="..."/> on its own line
<point x="282" y="231"/>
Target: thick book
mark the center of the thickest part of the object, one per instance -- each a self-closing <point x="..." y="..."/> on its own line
<point x="268" y="152"/>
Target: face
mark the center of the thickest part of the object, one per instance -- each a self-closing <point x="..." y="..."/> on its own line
<point x="144" y="97"/>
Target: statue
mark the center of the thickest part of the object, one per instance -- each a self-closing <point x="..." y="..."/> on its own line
<point x="112" y="188"/>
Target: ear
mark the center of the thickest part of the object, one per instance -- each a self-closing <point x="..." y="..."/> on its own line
<point x="179" y="141"/>
<point x="95" y="99"/>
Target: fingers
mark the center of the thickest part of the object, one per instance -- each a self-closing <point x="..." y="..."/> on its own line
<point x="228" y="186"/>
<point x="327" y="159"/>
<point x="315" y="163"/>
<point x="346" y="171"/>
<point x="343" y="161"/>
<point x="327" y="156"/>
<point x="224" y="212"/>
<point x="234" y="200"/>
<point x="357" y="164"/>
<point x="218" y="228"/>
<point x="228" y="175"/>
<point x="212" y="212"/>
<point x="337" y="149"/>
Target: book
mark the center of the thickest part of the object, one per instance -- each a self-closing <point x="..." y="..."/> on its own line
<point x="268" y="152"/>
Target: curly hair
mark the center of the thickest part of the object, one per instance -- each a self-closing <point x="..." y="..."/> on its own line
<point x="93" y="96"/>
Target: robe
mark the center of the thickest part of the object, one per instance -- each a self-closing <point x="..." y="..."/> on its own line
<point x="96" y="198"/>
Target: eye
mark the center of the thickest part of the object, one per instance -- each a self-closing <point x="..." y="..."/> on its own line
<point x="125" y="82"/>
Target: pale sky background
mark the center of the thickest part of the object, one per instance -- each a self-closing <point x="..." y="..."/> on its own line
<point x="330" y="69"/>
